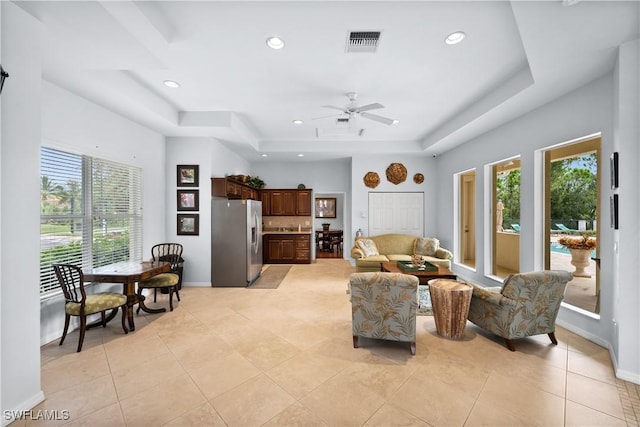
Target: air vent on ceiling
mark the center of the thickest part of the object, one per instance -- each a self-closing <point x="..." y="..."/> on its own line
<point x="342" y="121"/>
<point x="363" y="41"/>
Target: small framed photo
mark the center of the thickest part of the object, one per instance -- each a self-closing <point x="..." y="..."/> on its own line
<point x="188" y="224"/>
<point x="613" y="164"/>
<point x="325" y="207"/>
<point x="613" y="206"/>
<point x="188" y="200"/>
<point x="187" y="175"/>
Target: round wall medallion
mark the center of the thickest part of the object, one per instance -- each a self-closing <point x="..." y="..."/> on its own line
<point x="371" y="179"/>
<point x="396" y="173"/>
<point x="301" y="186"/>
<point x="418" y="178"/>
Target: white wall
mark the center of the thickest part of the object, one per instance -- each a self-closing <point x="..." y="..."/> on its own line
<point x="582" y="112"/>
<point x="214" y="160"/>
<point x="626" y="299"/>
<point x="20" y="310"/>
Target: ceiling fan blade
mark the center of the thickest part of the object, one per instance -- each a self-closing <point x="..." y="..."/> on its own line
<point x="378" y="118"/>
<point x="333" y="107"/>
<point x="368" y="107"/>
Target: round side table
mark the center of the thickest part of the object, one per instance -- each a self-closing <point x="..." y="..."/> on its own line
<point x="450" y="300"/>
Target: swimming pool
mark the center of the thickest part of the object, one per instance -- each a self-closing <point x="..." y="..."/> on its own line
<point x="558" y="248"/>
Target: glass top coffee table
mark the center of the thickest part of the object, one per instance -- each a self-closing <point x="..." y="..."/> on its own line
<point x="423" y="275"/>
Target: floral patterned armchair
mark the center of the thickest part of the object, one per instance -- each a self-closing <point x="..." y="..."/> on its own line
<point x="384" y="306"/>
<point x="527" y="304"/>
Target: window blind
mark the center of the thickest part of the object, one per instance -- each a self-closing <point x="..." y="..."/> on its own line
<point x="90" y="213"/>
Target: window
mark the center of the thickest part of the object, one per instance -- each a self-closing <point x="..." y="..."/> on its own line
<point x="506" y="218"/>
<point x="90" y="213"/>
<point x="572" y="194"/>
<point x="467" y="215"/>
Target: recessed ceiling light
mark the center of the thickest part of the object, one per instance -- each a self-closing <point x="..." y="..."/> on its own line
<point x="171" y="84"/>
<point x="264" y="155"/>
<point x="455" y="38"/>
<point x="395" y="122"/>
<point x="297" y="122"/>
<point x="275" y="42"/>
<point x="300" y="155"/>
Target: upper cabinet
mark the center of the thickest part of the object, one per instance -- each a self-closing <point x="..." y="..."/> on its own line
<point x="286" y="202"/>
<point x="231" y="189"/>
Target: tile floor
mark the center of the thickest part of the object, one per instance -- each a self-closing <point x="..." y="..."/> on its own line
<point x="284" y="357"/>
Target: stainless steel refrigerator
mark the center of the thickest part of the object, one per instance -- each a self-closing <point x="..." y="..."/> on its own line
<point x="236" y="242"/>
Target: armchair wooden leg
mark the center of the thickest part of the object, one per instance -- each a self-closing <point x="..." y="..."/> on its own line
<point x="83" y="329"/>
<point x="552" y="337"/>
<point x="510" y="345"/>
<point x="355" y="341"/>
<point x="124" y="318"/>
<point x="413" y="348"/>
<point x="66" y="328"/>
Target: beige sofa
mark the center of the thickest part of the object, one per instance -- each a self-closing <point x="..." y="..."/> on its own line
<point x="395" y="247"/>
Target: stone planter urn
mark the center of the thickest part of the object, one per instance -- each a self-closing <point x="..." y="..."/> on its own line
<point x="580" y="260"/>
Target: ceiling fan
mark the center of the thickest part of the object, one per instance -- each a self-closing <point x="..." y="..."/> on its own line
<point x="352" y="110"/>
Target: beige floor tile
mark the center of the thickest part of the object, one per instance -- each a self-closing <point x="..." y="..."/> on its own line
<point x="221" y="375"/>
<point x="265" y="349"/>
<point x="597" y="366"/>
<point x="252" y="403"/>
<point x="206" y="347"/>
<point x="69" y="370"/>
<point x="507" y="402"/>
<point x="304" y="372"/>
<point x="296" y="415"/>
<point x="391" y="416"/>
<point x="146" y="375"/>
<point x="124" y="356"/>
<point x="580" y="416"/>
<point x="203" y="415"/>
<point x="80" y="400"/>
<point x="342" y="402"/>
<point x="594" y="394"/>
<point x="111" y="416"/>
<point x="162" y="403"/>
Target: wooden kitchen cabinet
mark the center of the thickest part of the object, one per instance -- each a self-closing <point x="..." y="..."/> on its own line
<point x="286" y="248"/>
<point x="227" y="187"/>
<point x="286" y="202"/>
<point x="303" y="202"/>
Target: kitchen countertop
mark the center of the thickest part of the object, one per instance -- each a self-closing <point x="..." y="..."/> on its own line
<point x="287" y="232"/>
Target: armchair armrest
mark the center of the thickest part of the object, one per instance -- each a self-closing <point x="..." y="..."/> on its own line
<point x="492" y="296"/>
<point x="443" y="254"/>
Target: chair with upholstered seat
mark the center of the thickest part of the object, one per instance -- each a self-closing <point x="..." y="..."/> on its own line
<point x="384" y="306"/>
<point x="527" y="304"/>
<point x="171" y="281"/>
<point x="78" y="303"/>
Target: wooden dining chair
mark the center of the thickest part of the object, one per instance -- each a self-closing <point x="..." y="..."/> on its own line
<point x="78" y="303"/>
<point x="171" y="282"/>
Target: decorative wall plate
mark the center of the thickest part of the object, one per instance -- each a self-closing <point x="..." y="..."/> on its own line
<point x="371" y="179"/>
<point x="396" y="173"/>
<point x="418" y="178"/>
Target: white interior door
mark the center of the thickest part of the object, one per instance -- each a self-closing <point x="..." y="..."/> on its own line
<point x="396" y="213"/>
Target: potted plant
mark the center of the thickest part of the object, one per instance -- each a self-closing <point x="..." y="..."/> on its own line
<point x="255" y="182"/>
<point x="580" y="250"/>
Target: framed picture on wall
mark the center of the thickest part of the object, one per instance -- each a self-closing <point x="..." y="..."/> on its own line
<point x="188" y="200"/>
<point x="187" y="175"/>
<point x="325" y="207"/>
<point x="188" y="224"/>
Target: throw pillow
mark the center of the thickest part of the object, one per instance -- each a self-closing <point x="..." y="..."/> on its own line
<point x="368" y="247"/>
<point x="426" y="246"/>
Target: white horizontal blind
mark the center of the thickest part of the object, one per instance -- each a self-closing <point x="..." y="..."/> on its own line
<point x="90" y="213"/>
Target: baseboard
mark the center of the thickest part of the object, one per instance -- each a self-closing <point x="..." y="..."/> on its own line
<point x="11" y="415"/>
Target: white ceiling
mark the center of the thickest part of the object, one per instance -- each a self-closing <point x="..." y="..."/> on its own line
<point x="516" y="56"/>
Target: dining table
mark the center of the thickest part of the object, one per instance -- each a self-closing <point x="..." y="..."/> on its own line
<point x="128" y="273"/>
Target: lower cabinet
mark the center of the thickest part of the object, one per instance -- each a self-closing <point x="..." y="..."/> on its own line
<point x="286" y="248"/>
